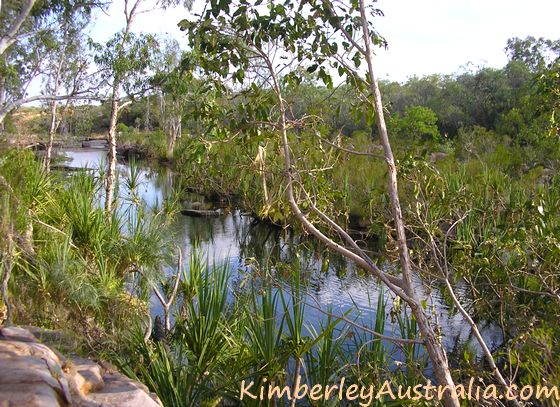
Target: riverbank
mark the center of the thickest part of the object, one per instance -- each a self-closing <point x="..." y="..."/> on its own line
<point x="74" y="242"/>
<point x="502" y="198"/>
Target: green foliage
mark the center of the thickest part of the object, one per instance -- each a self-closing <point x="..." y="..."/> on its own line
<point x="122" y="128"/>
<point x="535" y="53"/>
<point x="497" y="176"/>
<point x="74" y="264"/>
<point x="48" y="47"/>
<point x="204" y="332"/>
<point x="125" y="59"/>
<point x="160" y="369"/>
<point x="217" y="343"/>
<point x="548" y="85"/>
<point x="417" y="123"/>
<point x="504" y="244"/>
<point x="485" y="173"/>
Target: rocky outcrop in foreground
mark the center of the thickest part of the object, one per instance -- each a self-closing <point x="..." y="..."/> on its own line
<point x="34" y="375"/>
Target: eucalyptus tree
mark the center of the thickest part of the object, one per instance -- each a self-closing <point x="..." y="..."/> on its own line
<point x="66" y="68"/>
<point x="20" y="65"/>
<point x="238" y="43"/>
<point x="535" y="53"/>
<point x="16" y="12"/>
<point x="173" y="85"/>
<point x="125" y="60"/>
<point x="27" y="38"/>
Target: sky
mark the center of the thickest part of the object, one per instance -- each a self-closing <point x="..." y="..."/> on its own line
<point x="441" y="36"/>
<point x="425" y="37"/>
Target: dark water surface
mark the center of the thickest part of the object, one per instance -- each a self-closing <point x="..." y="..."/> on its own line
<point x="238" y="240"/>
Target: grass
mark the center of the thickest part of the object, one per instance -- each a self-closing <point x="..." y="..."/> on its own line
<point x="258" y="334"/>
<point x="507" y="193"/>
<point x="74" y="263"/>
<point x="505" y="250"/>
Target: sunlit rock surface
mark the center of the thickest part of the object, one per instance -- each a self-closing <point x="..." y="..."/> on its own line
<point x="34" y="375"/>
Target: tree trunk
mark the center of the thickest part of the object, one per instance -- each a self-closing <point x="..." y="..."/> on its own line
<point x="173" y="127"/>
<point x="115" y="107"/>
<point x="297" y="370"/>
<point x="434" y="347"/>
<point x="147" y="119"/>
<point x="112" y="153"/>
<point x="261" y="162"/>
<point x="161" y="109"/>
<point x="10" y="37"/>
<point x="2" y="99"/>
<point x="52" y="131"/>
<point x="8" y="263"/>
<point x="401" y="286"/>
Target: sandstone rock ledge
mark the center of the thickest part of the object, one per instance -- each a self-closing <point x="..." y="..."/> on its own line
<point x="34" y="375"/>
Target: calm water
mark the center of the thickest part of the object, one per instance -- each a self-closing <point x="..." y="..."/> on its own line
<point x="237" y="239"/>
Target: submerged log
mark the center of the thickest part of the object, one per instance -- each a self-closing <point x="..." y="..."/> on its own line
<point x="201" y="212"/>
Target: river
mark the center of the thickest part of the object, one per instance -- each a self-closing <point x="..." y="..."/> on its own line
<point x="238" y="240"/>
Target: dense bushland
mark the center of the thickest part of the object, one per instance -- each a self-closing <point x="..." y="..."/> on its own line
<point x="478" y="156"/>
<point x="66" y="264"/>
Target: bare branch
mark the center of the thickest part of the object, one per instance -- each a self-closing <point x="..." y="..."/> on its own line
<point x="123" y="105"/>
<point x="348" y="150"/>
<point x="479" y="338"/>
<point x="166" y="303"/>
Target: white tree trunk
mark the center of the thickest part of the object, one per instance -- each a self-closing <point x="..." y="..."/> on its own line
<point x="436" y="352"/>
<point x="112" y="153"/>
<point x="52" y="131"/>
<point x="2" y="99"/>
<point x="10" y="36"/>
<point x="147" y="118"/>
<point x="115" y="108"/>
<point x="173" y="127"/>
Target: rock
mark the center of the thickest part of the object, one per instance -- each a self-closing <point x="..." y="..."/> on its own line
<point x="158" y="332"/>
<point x="66" y="168"/>
<point x="39" y="395"/>
<point x="88" y="375"/>
<point x="31" y="373"/>
<point x="14" y="333"/>
<point x="34" y="375"/>
<point x="546" y="176"/>
<point x="95" y="143"/>
<point x="200" y="213"/>
<point x="120" y="391"/>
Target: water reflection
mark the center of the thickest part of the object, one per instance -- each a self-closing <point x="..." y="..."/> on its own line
<point x="333" y="283"/>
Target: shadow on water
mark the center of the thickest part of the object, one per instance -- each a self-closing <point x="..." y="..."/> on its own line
<point x="244" y="243"/>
